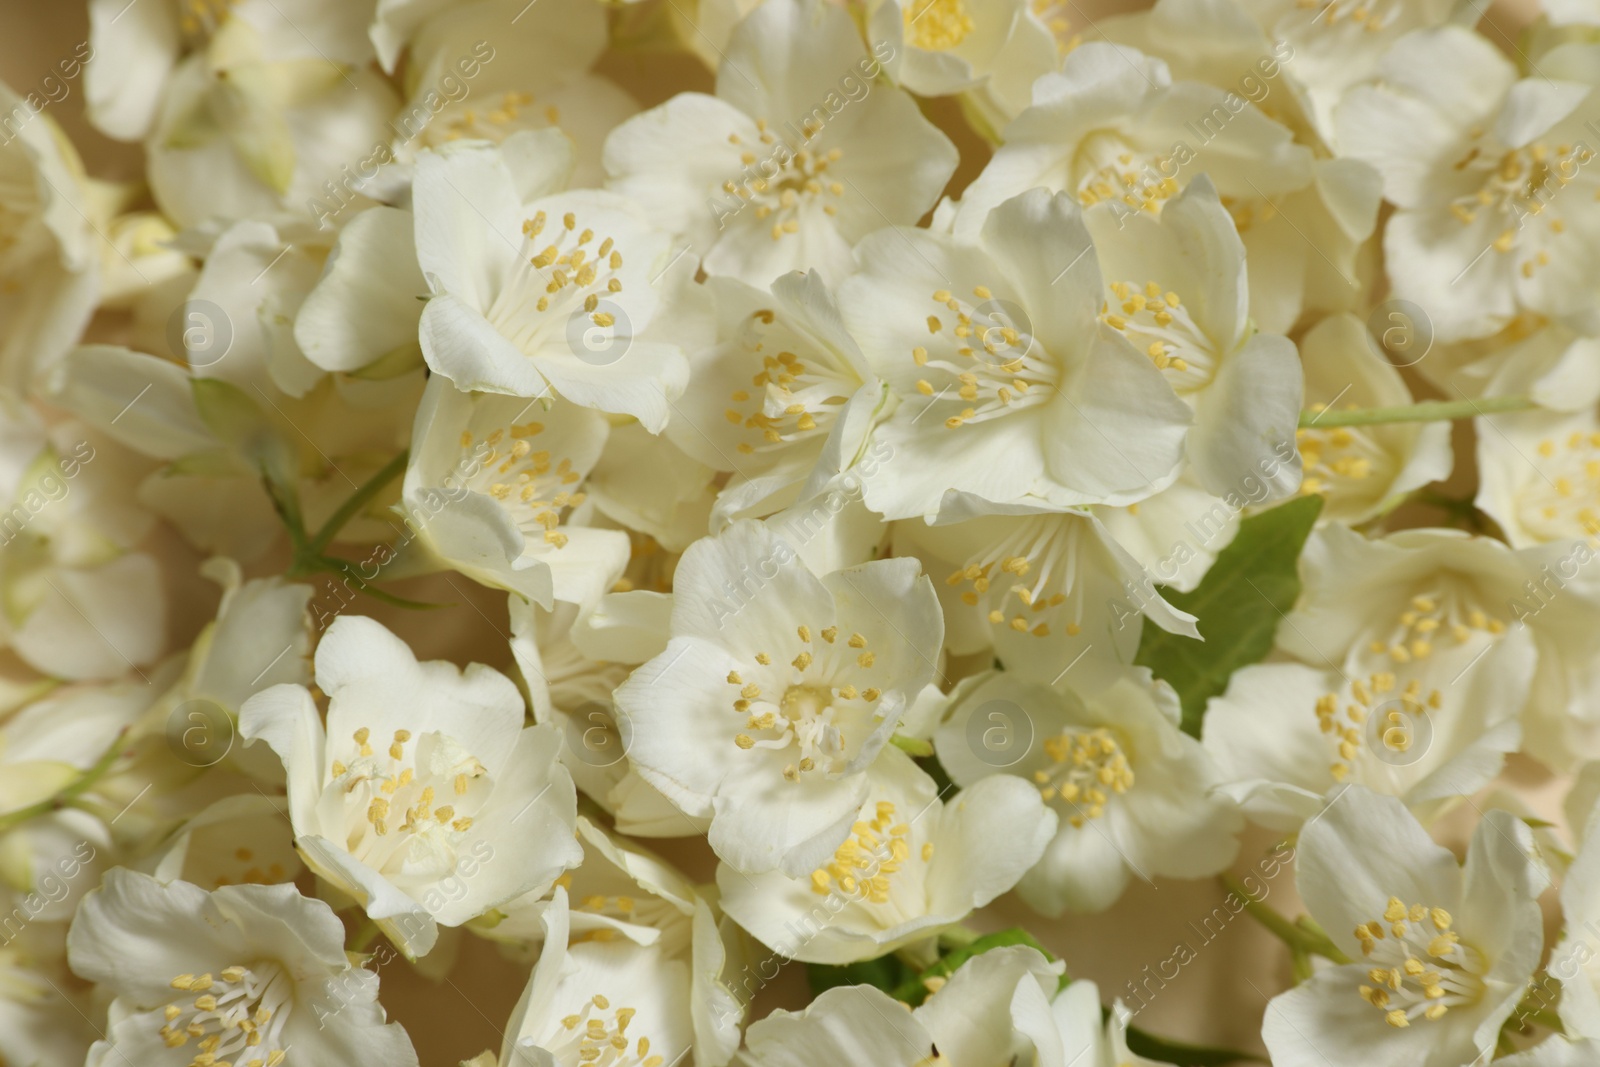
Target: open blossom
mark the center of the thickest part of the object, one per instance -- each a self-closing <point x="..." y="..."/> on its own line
<point x="1441" y="953"/>
<point x="911" y="866"/>
<point x="241" y="975"/>
<point x="1539" y="475"/>
<point x="784" y="399"/>
<point x="1430" y="600"/>
<point x="1004" y="374"/>
<point x="424" y="798"/>
<point x="496" y="488"/>
<point x="777" y="692"/>
<point x="796" y="158"/>
<point x="938" y="47"/>
<point x="1134" y="794"/>
<point x="536" y="291"/>
<point x="1284" y="734"/>
<point x="1478" y="165"/>
<point x="1048" y="590"/>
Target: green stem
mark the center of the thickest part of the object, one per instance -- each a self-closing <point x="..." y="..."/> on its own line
<point x="70" y="792"/>
<point x="350" y="571"/>
<point x="358" y="500"/>
<point x="1427" y="411"/>
<point x="1296" y="936"/>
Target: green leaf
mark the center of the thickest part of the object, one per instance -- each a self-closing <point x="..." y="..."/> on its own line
<point x="914" y="990"/>
<point x="886" y="973"/>
<point x="1254" y="581"/>
<point x="1151" y="1047"/>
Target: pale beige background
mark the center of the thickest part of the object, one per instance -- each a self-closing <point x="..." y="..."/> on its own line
<point x="1218" y="998"/>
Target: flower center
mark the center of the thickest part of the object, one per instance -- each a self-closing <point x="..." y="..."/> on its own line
<point x="1521" y="183"/>
<point x="1371" y="15"/>
<point x="512" y="114"/>
<point x="1043" y="546"/>
<point x="238" y="1016"/>
<point x="1333" y="458"/>
<point x="801" y="178"/>
<point x="1012" y="371"/>
<point x="1568" y="495"/>
<point x="596" y="1036"/>
<point x="862" y="867"/>
<point x="812" y="710"/>
<point x="1084" y="764"/>
<point x="1345" y="730"/>
<point x="794" y="400"/>
<point x="1425" y="617"/>
<point x="1106" y="167"/>
<point x="538" y="491"/>
<point x="1422" y="968"/>
<point x="570" y="277"/>
<point x="384" y="787"/>
<point x="1156" y="321"/>
<point x="937" y="25"/>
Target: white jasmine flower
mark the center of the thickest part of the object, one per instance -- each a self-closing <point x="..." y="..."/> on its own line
<point x="937" y="47"/>
<point x="1010" y="389"/>
<point x="1175" y="535"/>
<point x="47" y="245"/>
<point x="1177" y="289"/>
<point x="1113" y="127"/>
<point x="1362" y="471"/>
<point x="496" y="489"/>
<point x="1284" y="734"/>
<point x="425" y="799"/>
<point x="484" y="71"/>
<point x="1046" y="589"/>
<point x="1433" y="599"/>
<point x="134" y="50"/>
<point x="1477" y="164"/>
<point x="241" y="975"/>
<point x="777" y="692"/>
<point x="256" y="123"/>
<point x="784" y="399"/>
<point x="587" y="999"/>
<point x="534" y="291"/>
<point x="1330" y="45"/>
<point x="1132" y="790"/>
<point x="911" y="866"/>
<point x="1442" y="953"/>
<point x="796" y="158"/>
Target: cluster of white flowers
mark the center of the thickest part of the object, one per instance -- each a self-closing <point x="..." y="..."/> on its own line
<point x="925" y="449"/>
